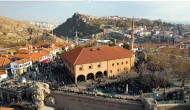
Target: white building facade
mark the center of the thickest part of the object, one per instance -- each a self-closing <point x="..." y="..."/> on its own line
<point x="20" y="66"/>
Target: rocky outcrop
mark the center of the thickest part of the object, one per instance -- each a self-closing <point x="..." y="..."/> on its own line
<point x="49" y="101"/>
<point x="76" y="23"/>
<point x="38" y="92"/>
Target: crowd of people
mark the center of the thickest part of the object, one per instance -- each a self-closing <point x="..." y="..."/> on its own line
<point x="133" y="86"/>
<point x="119" y="87"/>
<point x="61" y="77"/>
<point x="56" y="75"/>
<point x="174" y="95"/>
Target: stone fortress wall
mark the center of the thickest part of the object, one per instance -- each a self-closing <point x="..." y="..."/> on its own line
<point x="78" y="102"/>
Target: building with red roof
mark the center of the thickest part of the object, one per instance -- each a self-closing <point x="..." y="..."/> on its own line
<point x="5" y="108"/>
<point x="20" y="66"/>
<point x="5" y="63"/>
<point x="91" y="63"/>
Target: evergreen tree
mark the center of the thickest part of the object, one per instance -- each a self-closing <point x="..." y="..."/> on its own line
<point x="126" y="46"/>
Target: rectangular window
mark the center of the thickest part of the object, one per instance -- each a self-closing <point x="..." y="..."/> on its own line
<point x="122" y="63"/>
<point x="118" y="70"/>
<point x="80" y="68"/>
<point x="98" y="66"/>
<point x="124" y="68"/>
<point x="90" y="67"/>
<point x="112" y="64"/>
<point x="110" y="71"/>
<point x="117" y="63"/>
<point x="126" y="62"/>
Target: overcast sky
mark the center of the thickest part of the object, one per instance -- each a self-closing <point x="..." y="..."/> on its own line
<point x="60" y="11"/>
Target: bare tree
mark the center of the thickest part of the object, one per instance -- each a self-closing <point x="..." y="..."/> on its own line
<point x="182" y="69"/>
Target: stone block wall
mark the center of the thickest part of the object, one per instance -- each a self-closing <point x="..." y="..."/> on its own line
<point x="79" y="102"/>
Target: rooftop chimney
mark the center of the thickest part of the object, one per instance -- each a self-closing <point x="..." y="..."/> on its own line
<point x="99" y="48"/>
<point x="92" y="49"/>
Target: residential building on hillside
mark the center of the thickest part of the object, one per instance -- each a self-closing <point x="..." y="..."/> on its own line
<point x="92" y="63"/>
<point x="20" y="66"/>
<point x="144" y="33"/>
<point x="26" y="47"/>
<point x="162" y="37"/>
<point x="120" y="44"/>
<point x="39" y="56"/>
<point x="137" y="48"/>
<point x="5" y="63"/>
<point x="67" y="45"/>
<point x="43" y="45"/>
<point x="139" y="29"/>
<point x="45" y="56"/>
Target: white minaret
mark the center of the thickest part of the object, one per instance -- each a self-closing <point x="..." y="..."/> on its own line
<point x="76" y="38"/>
<point x="132" y="35"/>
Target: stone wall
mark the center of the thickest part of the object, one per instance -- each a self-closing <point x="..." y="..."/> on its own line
<point x="74" y="101"/>
<point x="184" y="106"/>
<point x="151" y="104"/>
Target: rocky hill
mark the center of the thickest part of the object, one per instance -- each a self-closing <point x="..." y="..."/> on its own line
<point x="15" y="32"/>
<point x="88" y="24"/>
<point x="76" y="23"/>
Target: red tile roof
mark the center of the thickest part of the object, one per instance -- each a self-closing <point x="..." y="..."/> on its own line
<point x="37" y="55"/>
<point x="54" y="47"/>
<point x="21" y="55"/>
<point x="7" y="56"/>
<point x="48" y="49"/>
<point x="89" y="55"/>
<point x="67" y="44"/>
<point x="44" y="53"/>
<point x="22" y="61"/>
<point x="34" y="55"/>
<point x="28" y="45"/>
<point x="3" y="108"/>
<point x="2" y="71"/>
<point x="4" y="61"/>
<point x="24" y="51"/>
